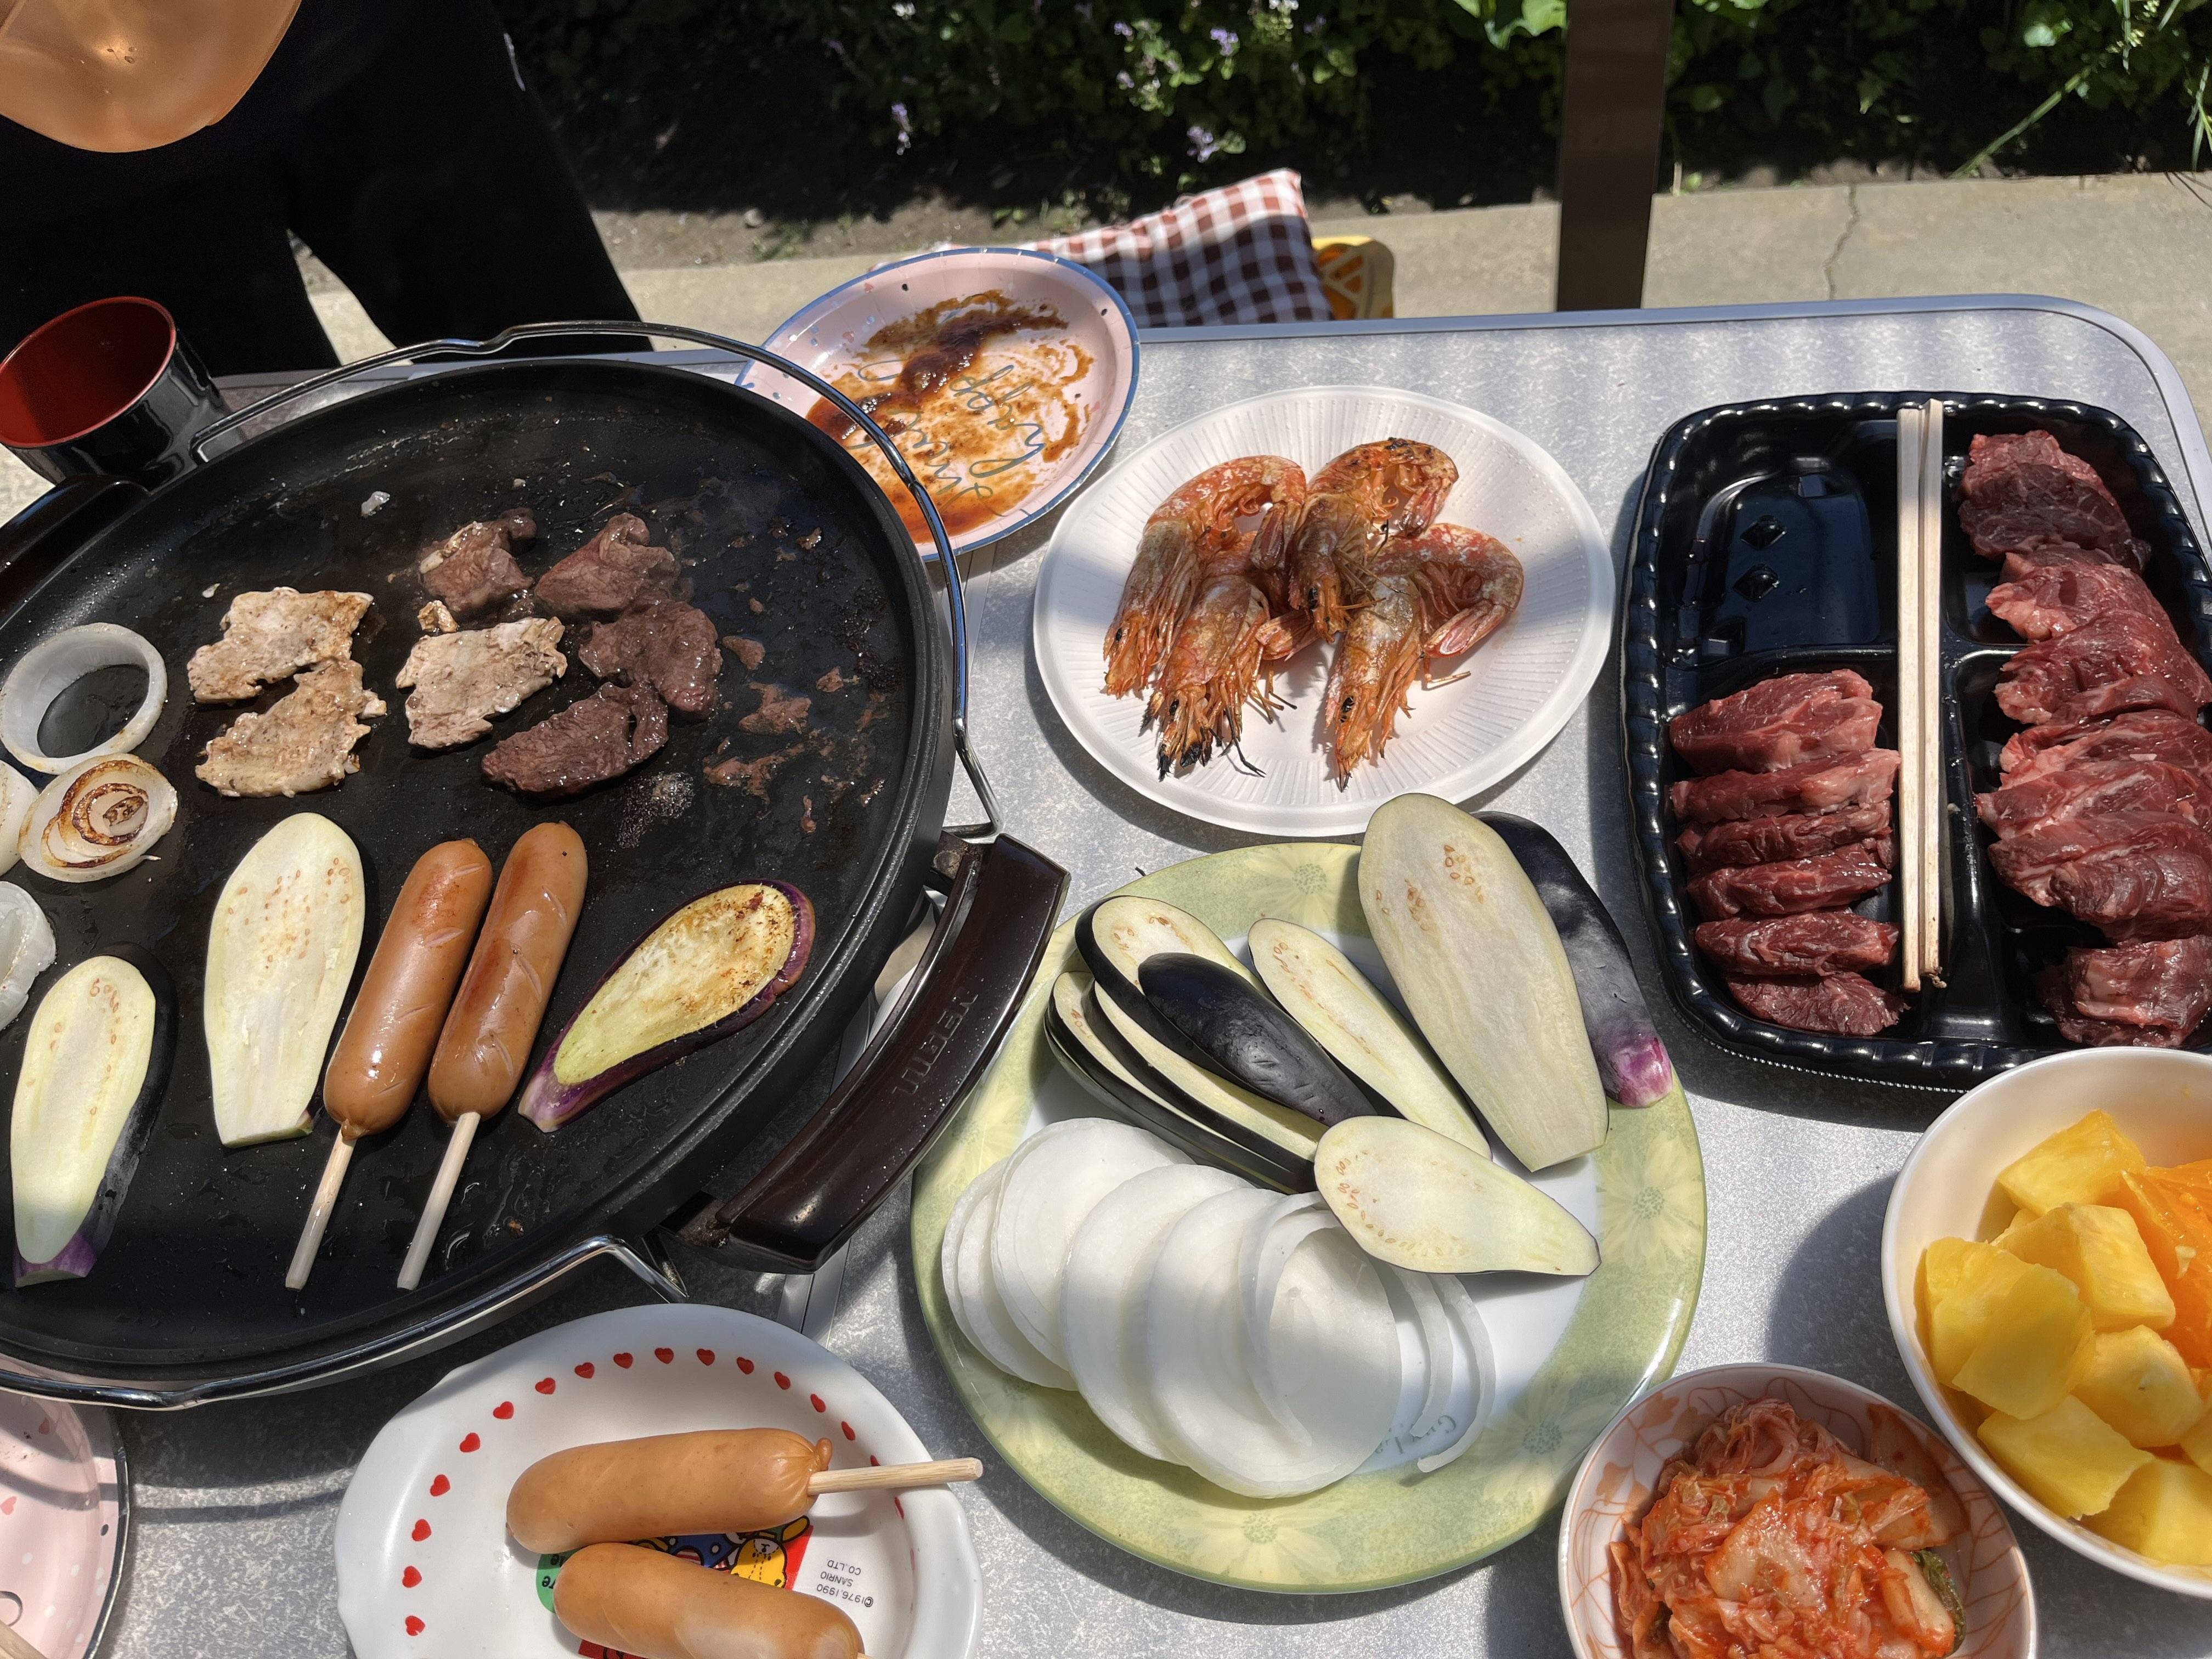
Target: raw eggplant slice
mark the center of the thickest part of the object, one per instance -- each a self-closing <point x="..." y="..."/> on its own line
<point x="1332" y="1333"/>
<point x="1221" y="1021"/>
<point x="709" y="969"/>
<point x="1102" y="1311"/>
<point x="95" y="1063"/>
<point x="1105" y="1065"/>
<point x="1116" y="934"/>
<point x="27" y="948"/>
<point x="991" y="1327"/>
<point x="1633" y="1064"/>
<point x="1476" y="957"/>
<point x="1054" y="1180"/>
<point x="1211" y="1099"/>
<point x="1420" y="1200"/>
<point x="280" y="954"/>
<point x="1324" y="991"/>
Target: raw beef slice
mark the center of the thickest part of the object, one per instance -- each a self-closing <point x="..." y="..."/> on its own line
<point x="1841" y="1005"/>
<point x="2145" y="734"/>
<point x="1784" y="721"/>
<point x="1816" y="787"/>
<point x="2119" y="650"/>
<point x="2057" y="599"/>
<point x="1778" y="840"/>
<point x="1798" y="947"/>
<point x="2153" y="993"/>
<point x="1784" y="889"/>
<point x="2096" y="786"/>
<point x="2024" y="489"/>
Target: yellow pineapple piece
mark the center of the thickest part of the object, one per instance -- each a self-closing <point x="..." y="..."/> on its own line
<point x="2099" y="1249"/>
<point x="1958" y="1318"/>
<point x="2077" y="1165"/>
<point x="2165" y="1512"/>
<point x="2038" y="1346"/>
<point x="2138" y="1382"/>
<point x="2173" y="1218"/>
<point x="2069" y="1458"/>
<point x="2196" y="1444"/>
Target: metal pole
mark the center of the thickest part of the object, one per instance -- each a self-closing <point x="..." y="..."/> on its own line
<point x="1614" y="102"/>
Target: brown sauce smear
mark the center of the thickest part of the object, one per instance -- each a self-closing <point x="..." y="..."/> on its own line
<point x="977" y="439"/>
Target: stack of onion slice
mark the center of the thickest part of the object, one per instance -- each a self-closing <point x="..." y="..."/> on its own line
<point x="97" y="819"/>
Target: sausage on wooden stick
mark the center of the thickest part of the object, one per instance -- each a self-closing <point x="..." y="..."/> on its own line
<point x="487" y="1037"/>
<point x="385" y="1048"/>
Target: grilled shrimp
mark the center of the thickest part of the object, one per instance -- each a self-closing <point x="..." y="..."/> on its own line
<point x="1215" y="667"/>
<point x="1207" y="518"/>
<point x="1438" y="593"/>
<point x="1355" y="504"/>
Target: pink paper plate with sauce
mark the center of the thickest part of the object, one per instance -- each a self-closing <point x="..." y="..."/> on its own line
<point x="1004" y="375"/>
<point x="62" y="1518"/>
<point x="1620" y="1475"/>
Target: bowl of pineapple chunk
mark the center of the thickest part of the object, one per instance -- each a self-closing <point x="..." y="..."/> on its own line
<point x="2047" y="1265"/>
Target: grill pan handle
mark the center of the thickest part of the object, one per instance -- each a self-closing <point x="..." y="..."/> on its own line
<point x="954" y="596"/>
<point x="900" y="1095"/>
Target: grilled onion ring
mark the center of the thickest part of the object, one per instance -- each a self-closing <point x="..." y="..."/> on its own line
<point x="59" y="661"/>
<point x="97" y="819"/>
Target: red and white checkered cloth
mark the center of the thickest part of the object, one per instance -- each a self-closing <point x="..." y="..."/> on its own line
<point x="1239" y="254"/>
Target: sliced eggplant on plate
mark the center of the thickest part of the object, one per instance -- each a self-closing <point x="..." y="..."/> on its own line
<point x="1339" y="1007"/>
<point x="1422" y="1202"/>
<point x="1633" y="1064"/>
<point x="1104" y="1063"/>
<point x="1221" y="1020"/>
<point x="95" y="1063"/>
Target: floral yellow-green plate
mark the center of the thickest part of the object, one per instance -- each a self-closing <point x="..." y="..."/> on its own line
<point x="1569" y="1354"/>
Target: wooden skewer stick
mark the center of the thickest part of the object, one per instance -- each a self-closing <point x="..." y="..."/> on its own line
<point x="442" y="1194"/>
<point x="1909" y="729"/>
<point x="13" y="1646"/>
<point x="1933" y="795"/>
<point x="897" y="1477"/>
<point x="319" y="1215"/>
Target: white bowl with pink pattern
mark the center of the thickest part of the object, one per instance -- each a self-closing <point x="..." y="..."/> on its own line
<point x="1617" y="1481"/>
<point x="426" y="1568"/>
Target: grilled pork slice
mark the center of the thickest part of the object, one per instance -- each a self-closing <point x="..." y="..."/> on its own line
<point x="616" y="728"/>
<point x="2153" y="993"/>
<point x="2096" y="788"/>
<point x="474" y="568"/>
<point x="2023" y="488"/>
<point x="670" y="647"/>
<point x="1826" y="883"/>
<point x="1784" y="721"/>
<point x="269" y="635"/>
<point x="1841" y="1005"/>
<point x="2122" y="655"/>
<point x="1816" y="787"/>
<point x="2137" y="875"/>
<point x="2143" y="734"/>
<point x="615" y="570"/>
<point x="2055" y="599"/>
<point x="304" y="742"/>
<point x="1778" y="840"/>
<point x="1798" y="947"/>
<point x="460" y="680"/>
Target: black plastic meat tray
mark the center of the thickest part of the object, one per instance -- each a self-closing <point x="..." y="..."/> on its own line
<point x="1767" y="544"/>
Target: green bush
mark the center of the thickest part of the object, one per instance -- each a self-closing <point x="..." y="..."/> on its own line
<point x="1176" y="90"/>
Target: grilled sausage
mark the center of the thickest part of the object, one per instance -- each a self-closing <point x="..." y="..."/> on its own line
<point x="386" y="1047"/>
<point x="645" y="1603"/>
<point x="665" y="1485"/>
<point x="495" y="1019"/>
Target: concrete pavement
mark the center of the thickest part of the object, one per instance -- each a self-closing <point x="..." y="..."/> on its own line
<point x="2137" y="245"/>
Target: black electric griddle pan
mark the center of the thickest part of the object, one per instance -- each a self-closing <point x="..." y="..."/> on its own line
<point x="1765" y="544"/>
<point x="787" y="541"/>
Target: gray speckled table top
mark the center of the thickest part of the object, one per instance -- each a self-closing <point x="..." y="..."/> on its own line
<point x="235" y="1504"/>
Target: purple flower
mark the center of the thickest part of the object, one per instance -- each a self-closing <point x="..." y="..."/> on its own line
<point x="837" y="47"/>
<point x="1226" y="40"/>
<point x="1123" y="81"/>
<point x="1203" y="144"/>
<point x="1123" y="30"/>
<point x="905" y="127"/>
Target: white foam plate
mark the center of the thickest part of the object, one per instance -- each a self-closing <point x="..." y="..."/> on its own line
<point x="425" y="1565"/>
<point x="1520" y="688"/>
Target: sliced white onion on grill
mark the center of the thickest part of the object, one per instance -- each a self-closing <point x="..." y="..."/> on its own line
<point x="59" y="661"/>
<point x="26" y="948"/>
<point x="97" y="819"/>
<point x="1459" y="1307"/>
<point x="17" y="792"/>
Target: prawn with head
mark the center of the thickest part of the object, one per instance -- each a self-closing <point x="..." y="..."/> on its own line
<point x="1438" y="593"/>
<point x="1222" y="516"/>
<point x="1354" y="506"/>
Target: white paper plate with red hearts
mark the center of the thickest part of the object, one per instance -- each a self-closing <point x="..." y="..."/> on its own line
<point x="425" y="1565"/>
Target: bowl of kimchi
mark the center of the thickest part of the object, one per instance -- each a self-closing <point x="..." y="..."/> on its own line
<point x="1714" y="1504"/>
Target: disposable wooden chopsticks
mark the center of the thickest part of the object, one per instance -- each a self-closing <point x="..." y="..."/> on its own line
<point x="1933" y="797"/>
<point x="1920" y="793"/>
<point x="1911" y="439"/>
